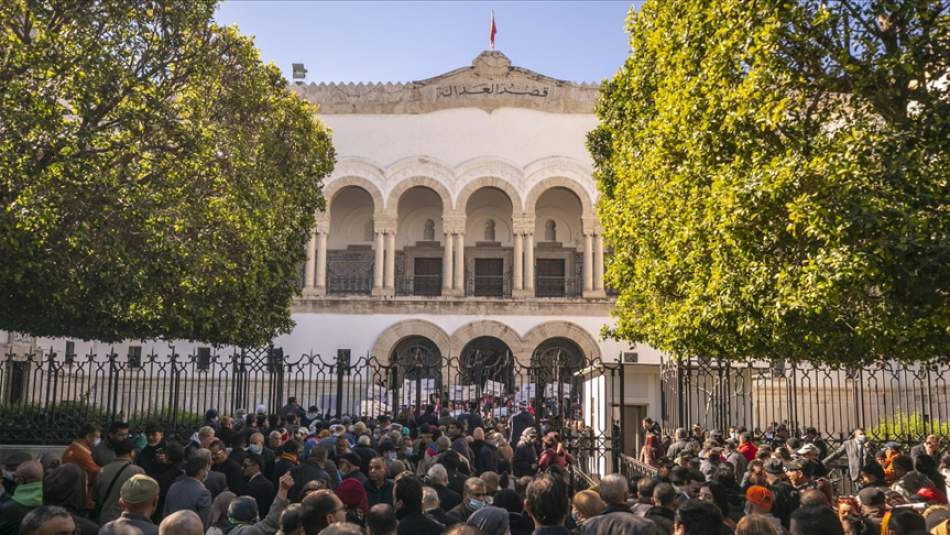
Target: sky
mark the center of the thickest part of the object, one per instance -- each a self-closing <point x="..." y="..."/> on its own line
<point x="393" y="41"/>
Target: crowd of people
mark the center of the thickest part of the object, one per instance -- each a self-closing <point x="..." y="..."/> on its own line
<point x="461" y="471"/>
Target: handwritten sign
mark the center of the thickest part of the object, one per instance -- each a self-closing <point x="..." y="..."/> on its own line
<point x="494" y="388"/>
<point x="550" y="390"/>
<point x="463" y="393"/>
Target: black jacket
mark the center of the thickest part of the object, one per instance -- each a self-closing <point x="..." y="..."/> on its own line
<point x="662" y="517"/>
<point x="234" y="475"/>
<point x="303" y="474"/>
<point x="448" y="498"/>
<point x="417" y="524"/>
<point x="486" y="459"/>
<point x="262" y="490"/>
<point x="519" y="423"/>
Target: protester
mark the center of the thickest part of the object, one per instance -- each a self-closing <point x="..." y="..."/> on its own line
<point x="138" y="498"/>
<point x="47" y="520"/>
<point x="111" y="478"/>
<point x="27" y="496"/>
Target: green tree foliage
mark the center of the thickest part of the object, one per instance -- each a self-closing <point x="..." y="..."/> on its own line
<point x="774" y="179"/>
<point x="156" y="179"/>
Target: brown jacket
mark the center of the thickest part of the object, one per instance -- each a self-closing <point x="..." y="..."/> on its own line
<point x="79" y="453"/>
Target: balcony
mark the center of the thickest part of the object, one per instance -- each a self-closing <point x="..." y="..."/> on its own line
<point x="556" y="286"/>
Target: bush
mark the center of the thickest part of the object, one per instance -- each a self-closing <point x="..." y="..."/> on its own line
<point x="908" y="427"/>
<point x="59" y="424"/>
<point x="162" y="417"/>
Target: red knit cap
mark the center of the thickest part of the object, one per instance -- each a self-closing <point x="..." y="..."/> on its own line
<point x="352" y="494"/>
<point x="760" y="496"/>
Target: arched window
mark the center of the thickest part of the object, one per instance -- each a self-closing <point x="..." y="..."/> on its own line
<point x="550" y="230"/>
<point x="368" y="231"/>
<point x="490" y="230"/>
<point x="428" y="233"/>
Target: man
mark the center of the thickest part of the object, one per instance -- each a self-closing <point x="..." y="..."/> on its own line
<point x="48" y="520"/>
<point x="651" y="427"/>
<point x="138" y="499"/>
<point x="244" y="517"/>
<point x="292" y="408"/>
<point x="930" y="446"/>
<point x="80" y="452"/>
<point x="615" y="490"/>
<point x="201" y="440"/>
<point x="365" y="452"/>
<point x="459" y="441"/>
<point x="154" y="441"/>
<point x="181" y="523"/>
<point x="785" y="498"/>
<point x="758" y="501"/>
<point x="547" y="502"/>
<point x="113" y="475"/>
<point x="811" y="456"/>
<point x="711" y="461"/>
<point x="321" y="509"/>
<point x="11" y="461"/>
<point x="438" y="479"/>
<point x="645" y="488"/>
<point x="663" y="512"/>
<point x="289" y="459"/>
<point x="681" y="444"/>
<point x="215" y="482"/>
<point x="433" y="508"/>
<point x="381" y="520"/>
<point x="872" y="501"/>
<point x="697" y="517"/>
<point x="227" y="466"/>
<point x="27" y="496"/>
<point x="908" y="481"/>
<point x="349" y="466"/>
<point x="379" y="489"/>
<point x="816" y="520"/>
<point x="258" y="487"/>
<point x="746" y="447"/>
<point x="104" y="453"/>
<point x="473" y="499"/>
<point x="857" y="452"/>
<point x="813" y="437"/>
<point x="451" y="460"/>
<point x="735" y="458"/>
<point x="520" y="422"/>
<point x="407" y="500"/>
<point x="189" y="492"/>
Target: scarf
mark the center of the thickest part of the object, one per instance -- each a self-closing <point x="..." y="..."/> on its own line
<point x="29" y="494"/>
<point x="290" y="457"/>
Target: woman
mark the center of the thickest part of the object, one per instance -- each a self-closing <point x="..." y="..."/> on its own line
<point x="554" y="453"/>
<point x="585" y="505"/>
<point x="218" y="519"/>
<point x="755" y="525"/>
<point x="648" y="451"/>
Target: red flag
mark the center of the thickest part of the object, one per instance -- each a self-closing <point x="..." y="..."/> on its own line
<point x="492" y="30"/>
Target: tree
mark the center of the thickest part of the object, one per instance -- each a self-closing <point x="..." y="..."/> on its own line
<point x="774" y="180"/>
<point x="156" y="179"/>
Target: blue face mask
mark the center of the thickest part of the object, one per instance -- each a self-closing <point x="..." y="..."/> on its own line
<point x="475" y="505"/>
<point x="255" y="449"/>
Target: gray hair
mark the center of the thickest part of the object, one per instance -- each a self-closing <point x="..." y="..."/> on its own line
<point x="35" y="519"/>
<point x="614" y="488"/>
<point x="443" y="443"/>
<point x="438" y="475"/>
<point x="364" y="440"/>
<point x="184" y="522"/>
<point x="473" y="482"/>
<point x="204" y="454"/>
<point x="430" y="498"/>
<point x="680" y="432"/>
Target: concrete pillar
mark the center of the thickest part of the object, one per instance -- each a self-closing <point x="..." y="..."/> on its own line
<point x="599" y="263"/>
<point x="447" y="253"/>
<point x="529" y="263"/>
<point x="391" y="262"/>
<point x="459" y="269"/>
<point x="518" y="263"/>
<point x="588" y="263"/>
<point x="378" y="264"/>
<point x="321" y="283"/>
<point x="311" y="262"/>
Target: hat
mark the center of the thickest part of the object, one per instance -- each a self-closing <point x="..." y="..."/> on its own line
<point x="261" y="409"/>
<point x="928" y="494"/>
<point x="351" y="458"/>
<point x="892" y="445"/>
<point x="795" y="464"/>
<point x="16" y="457"/>
<point x="490" y="520"/>
<point x="303" y="430"/>
<point x="138" y="489"/>
<point x="211" y="414"/>
<point x="243" y="509"/>
<point x="352" y="494"/>
<point x="808" y="448"/>
<point x="871" y="496"/>
<point x="774" y="467"/>
<point x="759" y="496"/>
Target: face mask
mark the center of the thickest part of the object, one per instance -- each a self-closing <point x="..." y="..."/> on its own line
<point x="255" y="449"/>
<point x="311" y="416"/>
<point x="96" y="442"/>
<point x="475" y="505"/>
<point x="573" y="516"/>
<point x="7" y="476"/>
<point x="860" y="439"/>
<point x="391" y="455"/>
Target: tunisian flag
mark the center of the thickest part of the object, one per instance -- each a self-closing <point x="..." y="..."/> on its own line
<point x="492" y="30"/>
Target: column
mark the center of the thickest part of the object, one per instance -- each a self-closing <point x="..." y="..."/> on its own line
<point x="459" y="269"/>
<point x="322" y="261"/>
<point x="599" y="263"/>
<point x="311" y="262"/>
<point x="529" y="263"/>
<point x="588" y="263"/>
<point x="447" y="253"/>
<point x="391" y="262"/>
<point x="518" y="263"/>
<point x="378" y="265"/>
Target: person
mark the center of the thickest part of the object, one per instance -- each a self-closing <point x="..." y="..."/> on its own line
<point x="681" y="444"/>
<point x="381" y="520"/>
<point x="79" y="452"/>
<point x="908" y="480"/>
<point x="872" y="475"/>
<point x="291" y="522"/>
<point x="614" y="490"/>
<point x="170" y="462"/>
<point x="182" y="522"/>
<point x="154" y="441"/>
<point x="547" y="502"/>
<point x="104" y="453"/>
<point x="486" y="452"/>
<point x="65" y="486"/>
<point x="757" y="525"/>
<point x="258" y="487"/>
<point x="872" y="502"/>
<point x="554" y="453"/>
<point x="139" y="499"/>
<point x="311" y="470"/>
<point x="696" y="517"/>
<point x="930" y="446"/>
<point x="222" y="464"/>
<point x="379" y="488"/>
<point x="349" y="465"/>
<point x="433" y="509"/>
<point x="518" y="522"/>
<point x="244" y="517"/>
<point x="857" y="452"/>
<point x="289" y="458"/>
<point x="353" y="495"/>
<point x="649" y="451"/>
<point x="27" y="496"/>
<point x="490" y="521"/>
<point x="407" y="499"/>
<point x="644" y="501"/>
<point x="785" y="498"/>
<point x="189" y="493"/>
<point x="47" y="520"/>
<point x="525" y="462"/>
<point x="906" y="522"/>
<point x="365" y="452"/>
<point x="663" y="512"/>
<point x="585" y="505"/>
<point x="321" y="509"/>
<point x="473" y="499"/>
<point x="815" y="520"/>
<point x="218" y="517"/>
<point x="111" y="478"/>
<point x="758" y="501"/>
<point x="746" y="447"/>
<point x="520" y="422"/>
<point x="734" y="457"/>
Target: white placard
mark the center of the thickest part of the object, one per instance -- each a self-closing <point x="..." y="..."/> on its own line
<point x="494" y="388"/>
<point x="463" y="393"/>
<point x="550" y="390"/>
<point x="379" y="393"/>
<point x="369" y="407"/>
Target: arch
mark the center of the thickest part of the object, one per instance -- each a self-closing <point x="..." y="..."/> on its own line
<point x="500" y="175"/>
<point x="470" y="331"/>
<point x="388" y="339"/>
<point x="401" y="187"/>
<point x="486" y="358"/>
<point x="563" y="329"/>
<point x="531" y="201"/>
<point x="331" y="189"/>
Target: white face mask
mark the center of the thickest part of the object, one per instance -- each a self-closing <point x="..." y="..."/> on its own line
<point x="96" y="442"/>
<point x="860" y="439"/>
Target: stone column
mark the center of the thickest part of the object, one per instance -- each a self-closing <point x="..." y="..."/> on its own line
<point x="599" y="264"/>
<point x="529" y="264"/>
<point x="390" y="288"/>
<point x="321" y="284"/>
<point x="588" y="264"/>
<point x="311" y="263"/>
<point x="447" y="254"/>
<point x="378" y="264"/>
<point x="459" y="268"/>
<point x="518" y="264"/>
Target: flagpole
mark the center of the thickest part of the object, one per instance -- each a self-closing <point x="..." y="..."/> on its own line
<point x="491" y="31"/>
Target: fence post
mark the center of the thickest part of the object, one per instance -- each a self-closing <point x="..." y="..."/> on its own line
<point x="342" y="363"/>
<point x="623" y="403"/>
<point x="113" y="384"/>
